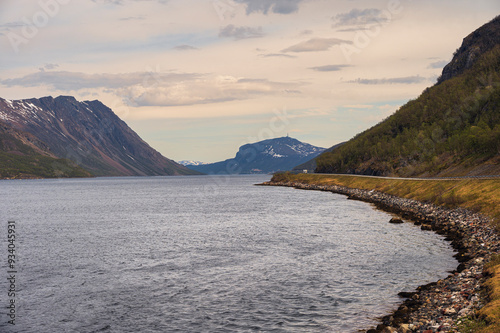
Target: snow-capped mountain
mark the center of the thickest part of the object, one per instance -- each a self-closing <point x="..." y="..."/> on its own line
<point x="280" y="154"/>
<point x="189" y="163"/>
<point x="88" y="133"/>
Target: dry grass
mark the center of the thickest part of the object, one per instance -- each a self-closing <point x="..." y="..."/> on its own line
<point x="491" y="312"/>
<point x="479" y="195"/>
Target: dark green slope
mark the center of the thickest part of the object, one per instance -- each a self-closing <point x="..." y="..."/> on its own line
<point x="23" y="156"/>
<point x="452" y="129"/>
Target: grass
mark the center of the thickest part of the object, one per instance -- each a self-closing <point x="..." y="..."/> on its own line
<point x="479" y="195"/>
<point x="471" y="324"/>
<point x="491" y="312"/>
<point x="37" y="166"/>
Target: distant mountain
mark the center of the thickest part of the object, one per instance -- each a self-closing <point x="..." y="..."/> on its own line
<point x="22" y="155"/>
<point x="89" y="134"/>
<point x="452" y="129"/>
<point x="280" y="154"/>
<point x="189" y="163"/>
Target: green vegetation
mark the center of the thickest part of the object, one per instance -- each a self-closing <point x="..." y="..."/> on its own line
<point x="453" y="128"/>
<point x="20" y="157"/>
<point x="16" y="166"/>
<point x="471" y="325"/>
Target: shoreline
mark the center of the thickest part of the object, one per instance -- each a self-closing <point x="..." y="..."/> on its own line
<point x="437" y="306"/>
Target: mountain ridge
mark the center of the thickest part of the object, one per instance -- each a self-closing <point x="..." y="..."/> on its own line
<point x="482" y="40"/>
<point x="88" y="133"/>
<point x="266" y="156"/>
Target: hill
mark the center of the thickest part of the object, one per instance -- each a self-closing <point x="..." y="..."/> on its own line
<point x="452" y="129"/>
<point x="89" y="134"/>
<point x="280" y="154"/>
<point x="23" y="156"/>
<point x="311" y="165"/>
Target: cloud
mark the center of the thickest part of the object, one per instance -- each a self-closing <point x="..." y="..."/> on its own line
<point x="206" y="90"/>
<point x="329" y="68"/>
<point x="276" y="6"/>
<point x="133" y="18"/>
<point x="232" y="31"/>
<point x="438" y="64"/>
<point x="316" y="44"/>
<point x="159" y="89"/>
<point x="270" y="55"/>
<point x="122" y="2"/>
<point x="48" y="67"/>
<point x="359" y="106"/>
<point x="185" y="47"/>
<point x="51" y="66"/>
<point x="359" y="17"/>
<point x="395" y="80"/>
<point x="73" y="81"/>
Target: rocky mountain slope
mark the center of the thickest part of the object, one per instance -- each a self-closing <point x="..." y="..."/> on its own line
<point x="452" y="129"/>
<point x="22" y="155"/>
<point x="280" y="154"/>
<point x="89" y="134"/>
<point x="476" y="44"/>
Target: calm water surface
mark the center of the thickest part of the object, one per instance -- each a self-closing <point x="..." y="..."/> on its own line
<point x="204" y="254"/>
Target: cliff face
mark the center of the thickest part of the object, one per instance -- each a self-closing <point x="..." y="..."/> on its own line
<point x="89" y="134"/>
<point x="479" y="42"/>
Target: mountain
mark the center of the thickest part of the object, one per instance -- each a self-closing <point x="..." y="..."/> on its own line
<point x="451" y="129"/>
<point x="311" y="165"/>
<point x="473" y="46"/>
<point x="22" y="155"/>
<point x="189" y="163"/>
<point x="89" y="134"/>
<point x="280" y="154"/>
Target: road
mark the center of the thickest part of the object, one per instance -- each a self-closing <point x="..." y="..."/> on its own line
<point x="400" y="178"/>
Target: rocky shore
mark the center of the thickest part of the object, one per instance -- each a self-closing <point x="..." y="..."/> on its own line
<point x="438" y="306"/>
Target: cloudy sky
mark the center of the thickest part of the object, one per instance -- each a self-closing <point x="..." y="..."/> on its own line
<point x="198" y="78"/>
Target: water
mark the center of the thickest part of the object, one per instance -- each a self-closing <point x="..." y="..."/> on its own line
<point x="204" y="254"/>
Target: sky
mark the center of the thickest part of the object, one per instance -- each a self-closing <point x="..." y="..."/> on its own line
<point x="196" y="79"/>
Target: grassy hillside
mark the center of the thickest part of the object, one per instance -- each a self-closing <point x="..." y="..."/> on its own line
<point x="453" y="128"/>
<point x="13" y="166"/>
<point x="23" y="156"/>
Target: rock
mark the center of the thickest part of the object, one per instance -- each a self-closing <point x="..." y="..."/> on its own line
<point x="438" y="305"/>
<point x="404" y="328"/>
<point x="405" y="294"/>
<point x="396" y="221"/>
<point x="427" y="227"/>
<point x="450" y="311"/>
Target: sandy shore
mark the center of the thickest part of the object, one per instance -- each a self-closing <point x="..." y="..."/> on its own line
<point x="438" y="306"/>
